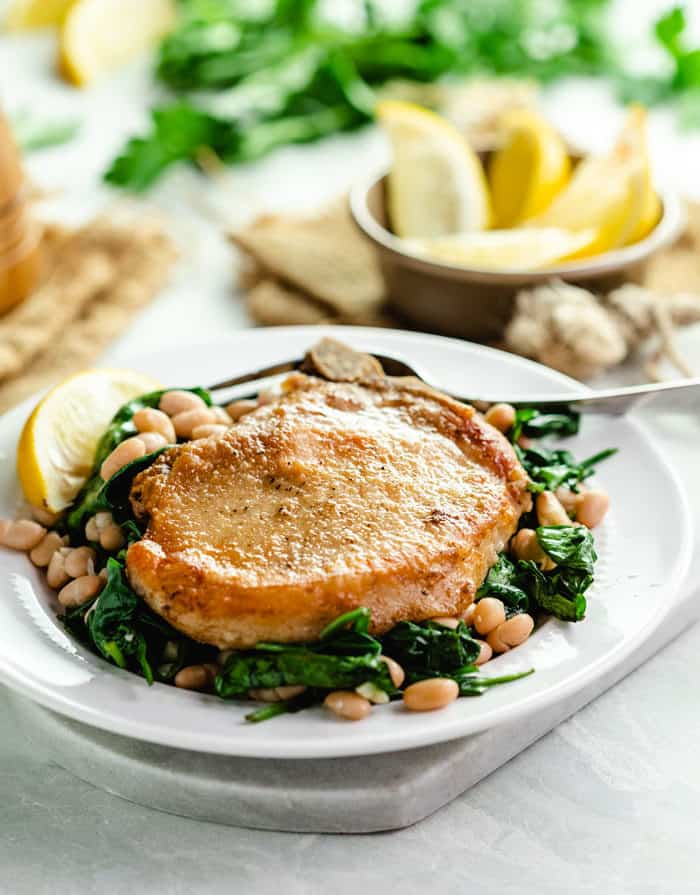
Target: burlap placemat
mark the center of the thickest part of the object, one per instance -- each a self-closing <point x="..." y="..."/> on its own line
<point x="300" y="269"/>
<point x="95" y="279"/>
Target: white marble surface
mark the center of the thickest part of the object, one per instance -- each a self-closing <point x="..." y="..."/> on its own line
<point x="608" y="802"/>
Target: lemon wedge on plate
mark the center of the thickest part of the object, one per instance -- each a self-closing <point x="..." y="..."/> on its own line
<point x="609" y="194"/>
<point x="436" y="184"/>
<point x="98" y="35"/>
<point x="634" y="135"/>
<point x="528" y="171"/>
<point x="57" y="446"/>
<point x="23" y="14"/>
<point x="523" y="248"/>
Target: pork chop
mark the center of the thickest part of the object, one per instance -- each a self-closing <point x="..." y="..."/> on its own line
<point x="381" y="493"/>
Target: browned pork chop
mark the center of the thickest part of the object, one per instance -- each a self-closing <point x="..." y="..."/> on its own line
<point x="382" y="493"/>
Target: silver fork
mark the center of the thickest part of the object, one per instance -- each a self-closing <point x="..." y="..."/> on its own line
<point x="672" y="396"/>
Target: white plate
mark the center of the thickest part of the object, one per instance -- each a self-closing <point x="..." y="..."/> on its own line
<point x="644" y="546"/>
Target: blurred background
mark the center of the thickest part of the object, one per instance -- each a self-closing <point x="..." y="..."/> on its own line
<point x="211" y="112"/>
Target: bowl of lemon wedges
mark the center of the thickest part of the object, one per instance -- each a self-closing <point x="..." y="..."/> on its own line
<point x="459" y="233"/>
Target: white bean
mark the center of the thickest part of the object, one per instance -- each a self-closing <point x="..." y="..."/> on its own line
<point x="123" y="453"/>
<point x="77" y="562"/>
<point x="56" y="575"/>
<point x="485" y="654"/>
<point x="501" y="416"/>
<point x="149" y="419"/>
<point x="550" y="511"/>
<point x="45" y="549"/>
<point x="112" y="538"/>
<point x="177" y="401"/>
<point x="489" y="613"/>
<point x="593" y="507"/>
<point x="45" y="517"/>
<point x="24" y="534"/>
<point x="80" y="590"/>
<point x="186" y="422"/>
<point x="237" y="409"/>
<point x="152" y="441"/>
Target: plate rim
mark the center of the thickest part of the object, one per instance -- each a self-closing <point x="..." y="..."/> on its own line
<point x="459" y="727"/>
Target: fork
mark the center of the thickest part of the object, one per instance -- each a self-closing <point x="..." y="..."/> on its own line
<point x="673" y="395"/>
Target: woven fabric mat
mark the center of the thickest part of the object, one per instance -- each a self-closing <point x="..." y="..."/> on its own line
<point x="95" y="279"/>
<point x="319" y="268"/>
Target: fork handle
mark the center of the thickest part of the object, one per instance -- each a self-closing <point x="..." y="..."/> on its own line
<point x="678" y="395"/>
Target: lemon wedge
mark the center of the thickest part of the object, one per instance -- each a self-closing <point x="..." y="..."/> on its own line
<point x="57" y="446"/>
<point x="634" y="136"/>
<point x="528" y="171"/>
<point x="522" y="248"/>
<point x="23" y="14"/>
<point x="98" y="35"/>
<point x="436" y="184"/>
<point x="607" y="193"/>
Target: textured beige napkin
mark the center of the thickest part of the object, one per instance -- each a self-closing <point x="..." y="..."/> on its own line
<point x="95" y="279"/>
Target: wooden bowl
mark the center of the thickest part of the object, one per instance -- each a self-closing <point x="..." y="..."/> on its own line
<point x="20" y="269"/>
<point x="475" y="303"/>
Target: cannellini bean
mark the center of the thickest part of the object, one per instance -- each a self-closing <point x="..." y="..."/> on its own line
<point x="80" y="590"/>
<point x="526" y="546"/>
<point x="468" y="616"/>
<point x="193" y="677"/>
<point x="485" y="654"/>
<point x="208" y="429"/>
<point x="511" y="633"/>
<point x="550" y="511"/>
<point x="569" y="499"/>
<point x="112" y="537"/>
<point x="148" y="419"/>
<point x="92" y="532"/>
<point x="267" y="396"/>
<point x="45" y="549"/>
<point x="56" y="575"/>
<point x="45" y="517"/>
<point x="501" y="416"/>
<point x="593" y="507"/>
<point x="78" y="561"/>
<point x="426" y="696"/>
<point x="221" y="415"/>
<point x="446" y="622"/>
<point x="177" y="401"/>
<point x="153" y="441"/>
<point x="396" y="672"/>
<point x="123" y="453"/>
<point x="348" y="705"/>
<point x="186" y="422"/>
<point x="489" y="613"/>
<point x="237" y="409"/>
<point x="276" y="694"/>
<point x="23" y="534"/>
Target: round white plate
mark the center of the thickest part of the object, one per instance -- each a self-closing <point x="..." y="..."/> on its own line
<point x="644" y="547"/>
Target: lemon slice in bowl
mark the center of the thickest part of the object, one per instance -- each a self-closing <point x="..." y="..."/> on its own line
<point x="57" y="446"/>
<point x="522" y="248"/>
<point x="608" y="193"/>
<point x="23" y="14"/>
<point x="634" y="138"/>
<point x="436" y="184"/>
<point x="98" y="35"/>
<point x="529" y="170"/>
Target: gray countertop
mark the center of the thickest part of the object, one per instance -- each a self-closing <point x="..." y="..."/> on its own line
<point x="607" y="802"/>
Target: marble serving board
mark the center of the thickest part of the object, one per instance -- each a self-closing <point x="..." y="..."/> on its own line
<point x="343" y="795"/>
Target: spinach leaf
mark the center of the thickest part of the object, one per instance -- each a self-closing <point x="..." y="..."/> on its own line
<point x="111" y="623"/>
<point x="91" y="498"/>
<point x="426" y="648"/>
<point x="555" y="592"/>
<point x="550" y="468"/>
<point x="534" y="424"/>
<point x="568" y="545"/>
<point x="503" y="582"/>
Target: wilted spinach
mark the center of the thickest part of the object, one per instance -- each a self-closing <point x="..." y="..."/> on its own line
<point x="524" y="587"/>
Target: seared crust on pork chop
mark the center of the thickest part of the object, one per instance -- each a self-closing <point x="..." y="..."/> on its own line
<point x="382" y="493"/>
